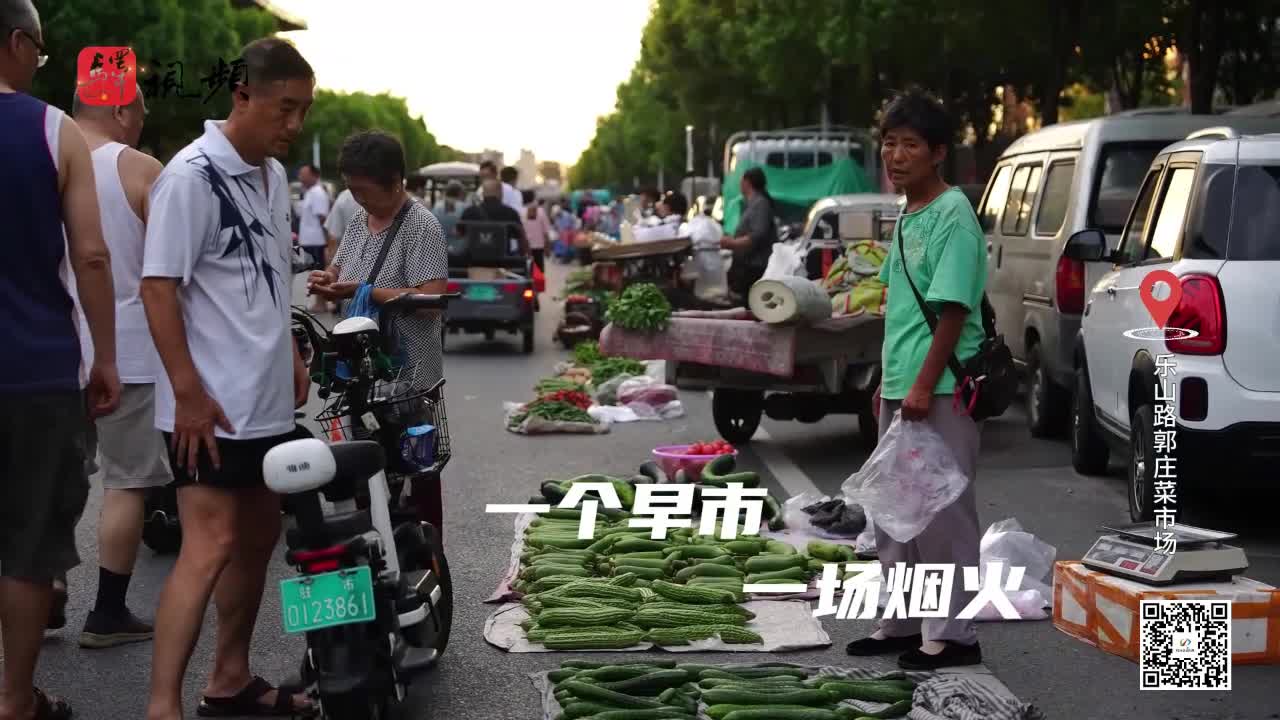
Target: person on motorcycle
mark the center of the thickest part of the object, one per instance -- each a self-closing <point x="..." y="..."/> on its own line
<point x="216" y="287"/>
<point x="492" y="209"/>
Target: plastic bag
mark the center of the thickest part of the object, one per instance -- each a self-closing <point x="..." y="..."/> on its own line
<point x="910" y="477"/>
<point x="607" y="392"/>
<point x="793" y="514"/>
<point x="865" y="545"/>
<point x="645" y="390"/>
<point x="786" y="260"/>
<point x="1006" y="542"/>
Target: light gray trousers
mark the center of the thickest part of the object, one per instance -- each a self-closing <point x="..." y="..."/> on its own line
<point x="952" y="536"/>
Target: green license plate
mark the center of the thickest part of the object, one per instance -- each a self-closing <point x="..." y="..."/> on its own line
<point x="483" y="293"/>
<point x="326" y="600"/>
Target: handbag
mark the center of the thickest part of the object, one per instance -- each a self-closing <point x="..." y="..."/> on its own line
<point x="987" y="383"/>
<point x="362" y="303"/>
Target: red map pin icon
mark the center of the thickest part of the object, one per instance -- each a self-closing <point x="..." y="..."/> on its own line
<point x="1160" y="309"/>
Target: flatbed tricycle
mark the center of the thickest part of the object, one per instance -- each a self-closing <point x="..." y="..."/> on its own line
<point x="494" y="282"/>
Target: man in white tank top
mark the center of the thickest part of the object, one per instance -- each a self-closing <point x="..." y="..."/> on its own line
<point x="131" y="453"/>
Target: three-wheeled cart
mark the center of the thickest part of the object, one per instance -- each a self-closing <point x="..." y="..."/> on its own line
<point x="787" y="372"/>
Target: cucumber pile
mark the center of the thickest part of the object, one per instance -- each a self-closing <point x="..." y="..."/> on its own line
<point x="553" y="555"/>
<point x="614" y="613"/>
<point x="668" y="690"/>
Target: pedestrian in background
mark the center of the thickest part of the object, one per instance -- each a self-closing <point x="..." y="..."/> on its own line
<point x="216" y="287"/>
<point x="131" y="453"/>
<point x="336" y="223"/>
<point x="450" y="208"/>
<point x="945" y="259"/>
<point x="510" y="196"/>
<point x="752" y="243"/>
<point x="312" y="212"/>
<point x="50" y="214"/>
<point x="536" y="229"/>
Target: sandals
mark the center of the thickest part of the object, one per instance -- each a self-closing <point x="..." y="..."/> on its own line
<point x="245" y="703"/>
<point x="49" y="707"/>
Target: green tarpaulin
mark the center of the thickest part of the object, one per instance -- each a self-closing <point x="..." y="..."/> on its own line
<point x="795" y="190"/>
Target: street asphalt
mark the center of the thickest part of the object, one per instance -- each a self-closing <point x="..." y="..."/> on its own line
<point x="1028" y="479"/>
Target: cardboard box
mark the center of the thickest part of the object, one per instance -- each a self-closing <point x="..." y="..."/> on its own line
<point x="1103" y="610"/>
<point x="484" y="274"/>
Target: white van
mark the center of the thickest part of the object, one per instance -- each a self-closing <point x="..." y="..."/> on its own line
<point x="1046" y="186"/>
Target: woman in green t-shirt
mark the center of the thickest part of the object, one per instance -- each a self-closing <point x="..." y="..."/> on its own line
<point x="945" y="257"/>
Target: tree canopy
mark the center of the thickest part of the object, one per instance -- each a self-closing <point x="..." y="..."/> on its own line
<point x="731" y="65"/>
<point x="199" y="34"/>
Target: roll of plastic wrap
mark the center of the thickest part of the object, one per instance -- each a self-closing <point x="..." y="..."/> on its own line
<point x="790" y="299"/>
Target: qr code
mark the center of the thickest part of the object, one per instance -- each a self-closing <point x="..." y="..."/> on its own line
<point x="1185" y="645"/>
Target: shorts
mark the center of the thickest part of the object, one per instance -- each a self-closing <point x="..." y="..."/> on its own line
<point x="131" y="452"/>
<point x="43" y="485"/>
<point x="241" y="462"/>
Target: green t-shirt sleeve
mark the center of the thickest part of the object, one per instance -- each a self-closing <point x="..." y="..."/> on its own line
<point x="960" y="264"/>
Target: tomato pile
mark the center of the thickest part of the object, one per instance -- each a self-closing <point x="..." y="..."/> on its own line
<point x="716" y="447"/>
<point x="572" y="397"/>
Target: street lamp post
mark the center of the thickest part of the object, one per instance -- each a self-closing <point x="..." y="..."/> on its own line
<point x="688" y="149"/>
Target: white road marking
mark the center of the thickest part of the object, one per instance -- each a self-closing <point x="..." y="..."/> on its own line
<point x="788" y="474"/>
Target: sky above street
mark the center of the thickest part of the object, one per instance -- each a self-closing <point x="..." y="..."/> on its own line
<point x="501" y="74"/>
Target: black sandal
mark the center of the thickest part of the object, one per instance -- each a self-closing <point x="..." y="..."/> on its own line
<point x="51" y="708"/>
<point x="245" y="703"/>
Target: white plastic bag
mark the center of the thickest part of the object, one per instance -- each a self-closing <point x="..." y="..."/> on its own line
<point x="865" y="545"/>
<point x="607" y="392"/>
<point x="1007" y="543"/>
<point x="793" y="515"/>
<point x="910" y="477"/>
<point x="786" y="260"/>
<point x="646" y="391"/>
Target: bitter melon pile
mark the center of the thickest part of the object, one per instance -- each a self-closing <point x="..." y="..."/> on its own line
<point x="667" y="690"/>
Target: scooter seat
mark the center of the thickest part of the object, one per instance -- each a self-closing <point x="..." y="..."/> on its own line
<point x="337" y="527"/>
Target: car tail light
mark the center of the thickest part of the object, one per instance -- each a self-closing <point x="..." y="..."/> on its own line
<point x="528" y="294"/>
<point x="318" y="561"/>
<point x="453" y="287"/>
<point x="1194" y="401"/>
<point x="1070" y="285"/>
<point x="1200" y="309"/>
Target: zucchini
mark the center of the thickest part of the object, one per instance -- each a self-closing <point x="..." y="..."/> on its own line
<point x="719" y="465"/>
<point x="580" y="709"/>
<point x="643" y="573"/>
<point x="783" y="682"/>
<point x="654" y="471"/>
<point x="744" y="547"/>
<point x="752" y="673"/>
<point x="552" y="492"/>
<point x="747" y="697"/>
<point x="830" y="552"/>
<point x="650" y="683"/>
<point x="777" y="547"/>
<point x="794" y="574"/>
<point x="559" y="676"/>
<point x="709" y="570"/>
<point x="871" y="691"/>
<point x="774" y="563"/>
<point x="582" y="617"/>
<point x="635" y="544"/>
<point x="643" y="555"/>
<point x="685" y="552"/>
<point x="595" y="693"/>
<point x="896" y="710"/>
<point x="718" y="560"/>
<point x="745" y="478"/>
<point x="774" y="712"/>
<point x="643" y="562"/>
<point x="664" y="713"/>
<point x="720" y="712"/>
<point x="537" y="572"/>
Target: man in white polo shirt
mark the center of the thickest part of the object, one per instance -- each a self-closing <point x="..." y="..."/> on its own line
<point x="216" y="286"/>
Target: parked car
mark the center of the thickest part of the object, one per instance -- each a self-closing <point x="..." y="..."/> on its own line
<point x="1046" y="186"/>
<point x="1208" y="211"/>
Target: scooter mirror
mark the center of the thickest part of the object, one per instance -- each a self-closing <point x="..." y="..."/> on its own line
<point x="299" y="466"/>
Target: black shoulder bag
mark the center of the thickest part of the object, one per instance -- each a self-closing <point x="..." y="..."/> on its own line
<point x="988" y="382"/>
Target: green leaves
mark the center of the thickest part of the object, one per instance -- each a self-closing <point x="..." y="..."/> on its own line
<point x="641" y="307"/>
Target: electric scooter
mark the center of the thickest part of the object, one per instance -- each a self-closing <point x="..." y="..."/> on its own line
<point x="373" y="597"/>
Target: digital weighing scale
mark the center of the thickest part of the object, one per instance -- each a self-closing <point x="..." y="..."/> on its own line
<point x="1201" y="555"/>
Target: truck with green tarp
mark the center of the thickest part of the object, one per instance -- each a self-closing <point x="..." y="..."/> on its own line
<point x="801" y="166"/>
